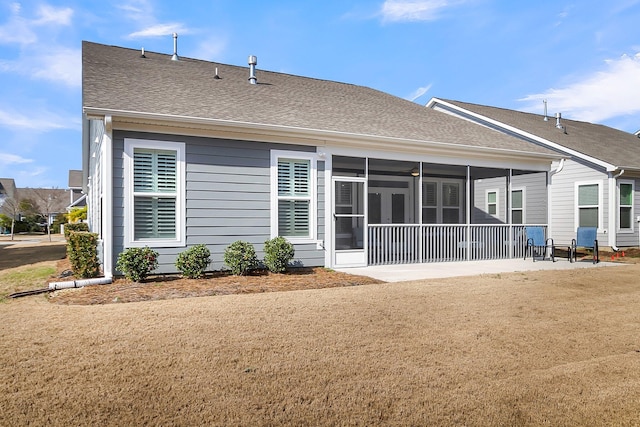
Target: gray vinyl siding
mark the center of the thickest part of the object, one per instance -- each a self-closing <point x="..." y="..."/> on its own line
<point x="563" y="204"/>
<point x="535" y="203"/>
<point x="479" y="214"/>
<point x="535" y="191"/>
<point x="227" y="197"/>
<point x="629" y="238"/>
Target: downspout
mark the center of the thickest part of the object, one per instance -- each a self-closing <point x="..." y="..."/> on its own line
<point x="107" y="194"/>
<point x="613" y="229"/>
<point x="79" y="283"/>
<point x="468" y="213"/>
<point x="550" y="176"/>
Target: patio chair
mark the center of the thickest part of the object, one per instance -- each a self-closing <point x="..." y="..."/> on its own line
<point x="586" y="237"/>
<point x="536" y="241"/>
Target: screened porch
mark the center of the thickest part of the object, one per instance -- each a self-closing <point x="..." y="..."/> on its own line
<point x="395" y="212"/>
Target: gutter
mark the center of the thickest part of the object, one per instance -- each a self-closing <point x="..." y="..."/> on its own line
<point x="613" y="229"/>
<point x="325" y="135"/>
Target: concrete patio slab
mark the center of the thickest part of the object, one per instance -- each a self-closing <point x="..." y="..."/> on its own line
<point x="407" y="272"/>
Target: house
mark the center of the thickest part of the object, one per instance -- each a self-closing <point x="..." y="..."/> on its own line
<point x="7" y="189"/>
<point x="598" y="183"/>
<point x="7" y="192"/>
<point x="77" y="199"/>
<point x="179" y="151"/>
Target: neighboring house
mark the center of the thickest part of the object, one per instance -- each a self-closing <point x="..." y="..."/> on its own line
<point x="182" y="152"/>
<point x="7" y="191"/>
<point x="599" y="183"/>
<point x="77" y="199"/>
<point x="49" y="201"/>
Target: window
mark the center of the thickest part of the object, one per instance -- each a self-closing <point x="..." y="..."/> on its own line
<point x="492" y="202"/>
<point x="625" y="203"/>
<point x="441" y="201"/>
<point x="154" y="182"/>
<point x="588" y="206"/>
<point x="517" y="206"/>
<point x="293" y="208"/>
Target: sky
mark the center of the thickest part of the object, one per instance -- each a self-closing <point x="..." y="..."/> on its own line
<point x="583" y="57"/>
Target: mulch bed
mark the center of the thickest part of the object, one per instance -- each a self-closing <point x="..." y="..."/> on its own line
<point x="217" y="283"/>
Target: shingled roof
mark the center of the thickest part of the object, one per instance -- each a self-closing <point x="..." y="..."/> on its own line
<point x="119" y="81"/>
<point x="612" y="146"/>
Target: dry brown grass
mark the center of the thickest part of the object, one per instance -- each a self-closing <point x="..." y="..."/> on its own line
<point x="537" y="348"/>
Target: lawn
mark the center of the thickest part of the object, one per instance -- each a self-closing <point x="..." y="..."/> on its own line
<point x="536" y="348"/>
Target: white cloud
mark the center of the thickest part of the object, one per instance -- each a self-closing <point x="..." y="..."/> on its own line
<point x="37" y="120"/>
<point x="7" y="159"/>
<point x="159" y="30"/>
<point x="50" y="15"/>
<point x="210" y="48"/>
<point x="597" y="97"/>
<point x="24" y="31"/>
<point x="415" y="10"/>
<point x="419" y="92"/>
<point x="55" y="64"/>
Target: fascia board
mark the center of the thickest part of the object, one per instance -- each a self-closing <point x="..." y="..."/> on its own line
<point x="308" y="136"/>
<point x="608" y="166"/>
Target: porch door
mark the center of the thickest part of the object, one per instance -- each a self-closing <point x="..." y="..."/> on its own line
<point x="349" y="237"/>
<point x="389" y="206"/>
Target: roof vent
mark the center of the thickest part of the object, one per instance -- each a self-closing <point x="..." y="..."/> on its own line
<point x="142" y="53"/>
<point x="175" y="47"/>
<point x="558" y="117"/>
<point x="217" y="76"/>
<point x="253" y="61"/>
<point x="546" y="117"/>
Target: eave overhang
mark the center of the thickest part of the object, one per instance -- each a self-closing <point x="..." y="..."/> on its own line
<point x="187" y="125"/>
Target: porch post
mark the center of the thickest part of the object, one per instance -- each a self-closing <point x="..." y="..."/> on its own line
<point x="509" y="219"/>
<point x="420" y="229"/>
<point x="468" y="213"/>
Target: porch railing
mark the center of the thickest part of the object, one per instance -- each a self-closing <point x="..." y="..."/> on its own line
<point x="414" y="243"/>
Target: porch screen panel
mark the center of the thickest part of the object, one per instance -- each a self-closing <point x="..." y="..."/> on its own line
<point x="626" y="205"/>
<point x="154" y="193"/>
<point x="588" y="203"/>
<point x="450" y="203"/>
<point x="517" y="207"/>
<point x="294" y="197"/>
<point x="430" y="203"/>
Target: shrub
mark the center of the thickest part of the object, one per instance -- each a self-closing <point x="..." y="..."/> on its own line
<point x="82" y="250"/>
<point x="240" y="257"/>
<point x="78" y="226"/>
<point x="137" y="263"/>
<point x="278" y="252"/>
<point x="193" y="262"/>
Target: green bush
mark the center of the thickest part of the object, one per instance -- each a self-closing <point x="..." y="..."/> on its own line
<point x="82" y="251"/>
<point x="78" y="226"/>
<point x="137" y="263"/>
<point x="278" y="252"/>
<point x="193" y="262"/>
<point x="240" y="257"/>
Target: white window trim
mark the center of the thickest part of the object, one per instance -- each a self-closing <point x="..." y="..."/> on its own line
<point x="313" y="217"/>
<point x="633" y="192"/>
<point x="486" y="202"/>
<point x="130" y="145"/>
<point x="576" y="213"/>
<point x="524" y="204"/>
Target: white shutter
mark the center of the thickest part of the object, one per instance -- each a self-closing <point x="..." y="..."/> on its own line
<point x="143" y="171"/>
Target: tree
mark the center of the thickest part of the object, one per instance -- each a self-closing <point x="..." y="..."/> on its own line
<point x="11" y="208"/>
<point x="77" y="214"/>
<point x="48" y="202"/>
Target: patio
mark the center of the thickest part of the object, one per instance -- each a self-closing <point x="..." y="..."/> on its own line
<point x="437" y="270"/>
